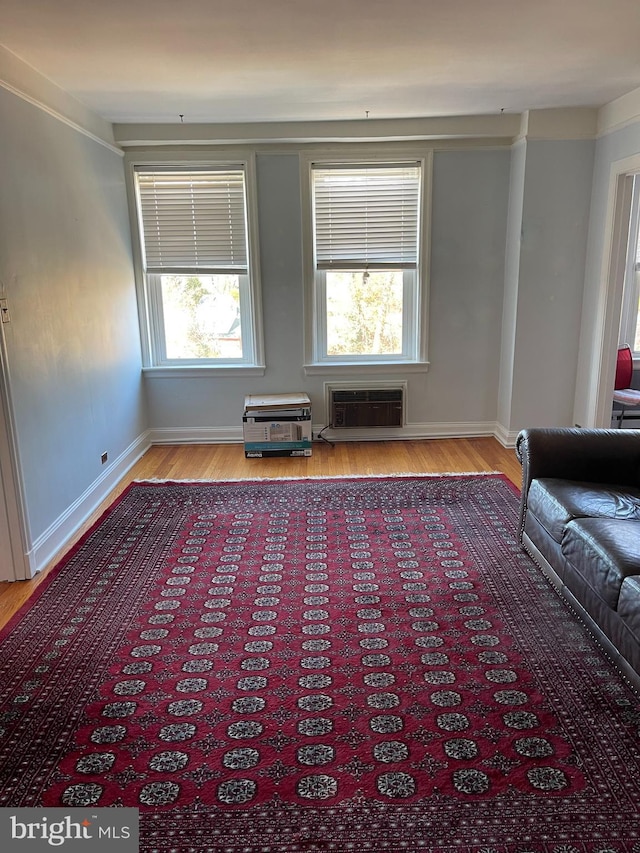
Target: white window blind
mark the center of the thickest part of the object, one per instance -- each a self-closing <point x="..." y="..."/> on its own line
<point x="366" y="216"/>
<point x="193" y="221"/>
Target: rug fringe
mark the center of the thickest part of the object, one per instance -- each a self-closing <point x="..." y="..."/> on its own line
<point x="325" y="477"/>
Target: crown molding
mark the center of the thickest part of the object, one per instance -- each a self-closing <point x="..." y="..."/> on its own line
<point x="28" y="84"/>
<point x="490" y="127"/>
<point x="570" y="123"/>
<point x="619" y="113"/>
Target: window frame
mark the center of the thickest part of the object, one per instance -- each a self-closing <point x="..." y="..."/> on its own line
<point x="630" y="315"/>
<point x="415" y="294"/>
<point x="155" y="360"/>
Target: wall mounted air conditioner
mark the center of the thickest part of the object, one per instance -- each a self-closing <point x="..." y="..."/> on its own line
<point x="366" y="407"/>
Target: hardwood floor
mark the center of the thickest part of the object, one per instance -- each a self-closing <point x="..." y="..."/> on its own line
<point x="227" y="462"/>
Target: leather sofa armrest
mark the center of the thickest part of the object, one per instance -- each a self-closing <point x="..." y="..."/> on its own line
<point x="588" y="455"/>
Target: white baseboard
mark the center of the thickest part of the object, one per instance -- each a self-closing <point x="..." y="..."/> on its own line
<point x="412" y="431"/>
<point x="196" y="435"/>
<point x="233" y="434"/>
<point x="507" y="438"/>
<point x="58" y="535"/>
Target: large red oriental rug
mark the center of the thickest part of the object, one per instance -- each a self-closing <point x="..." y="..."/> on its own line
<point x="305" y="665"/>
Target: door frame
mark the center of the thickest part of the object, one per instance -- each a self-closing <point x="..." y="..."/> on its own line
<point x="610" y="297"/>
<point x="14" y="563"/>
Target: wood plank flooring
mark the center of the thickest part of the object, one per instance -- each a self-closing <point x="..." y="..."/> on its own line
<point x="227" y="462"/>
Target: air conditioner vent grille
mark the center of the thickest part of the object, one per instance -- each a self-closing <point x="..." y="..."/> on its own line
<point x="392" y="395"/>
<point x="367" y="407"/>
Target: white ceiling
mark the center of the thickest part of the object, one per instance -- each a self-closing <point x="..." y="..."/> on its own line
<point x="288" y="60"/>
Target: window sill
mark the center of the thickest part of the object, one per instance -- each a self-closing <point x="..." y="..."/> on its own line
<point x="341" y="367"/>
<point x="193" y="371"/>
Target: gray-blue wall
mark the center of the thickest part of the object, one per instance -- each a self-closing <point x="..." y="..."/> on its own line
<point x="468" y="223"/>
<point x="72" y="347"/>
<point x="546" y="247"/>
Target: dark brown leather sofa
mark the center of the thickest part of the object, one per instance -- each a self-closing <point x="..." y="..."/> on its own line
<point x="580" y="521"/>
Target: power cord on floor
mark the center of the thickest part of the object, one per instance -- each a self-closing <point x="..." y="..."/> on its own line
<point x="321" y="436"/>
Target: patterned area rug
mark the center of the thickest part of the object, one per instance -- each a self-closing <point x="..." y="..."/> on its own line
<point x="302" y="665"/>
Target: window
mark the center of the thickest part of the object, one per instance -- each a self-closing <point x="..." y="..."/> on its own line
<point x="198" y="266"/>
<point x="630" y="325"/>
<point x="367" y="263"/>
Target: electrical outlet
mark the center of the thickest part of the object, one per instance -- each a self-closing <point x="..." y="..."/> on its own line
<point x="104" y="457"/>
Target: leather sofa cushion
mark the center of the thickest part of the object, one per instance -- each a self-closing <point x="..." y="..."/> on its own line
<point x="604" y="552"/>
<point x="556" y="502"/>
<point x="629" y="604"/>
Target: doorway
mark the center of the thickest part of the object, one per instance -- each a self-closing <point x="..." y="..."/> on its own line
<point x="13" y="556"/>
<point x="617" y="257"/>
<point x="630" y="316"/>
